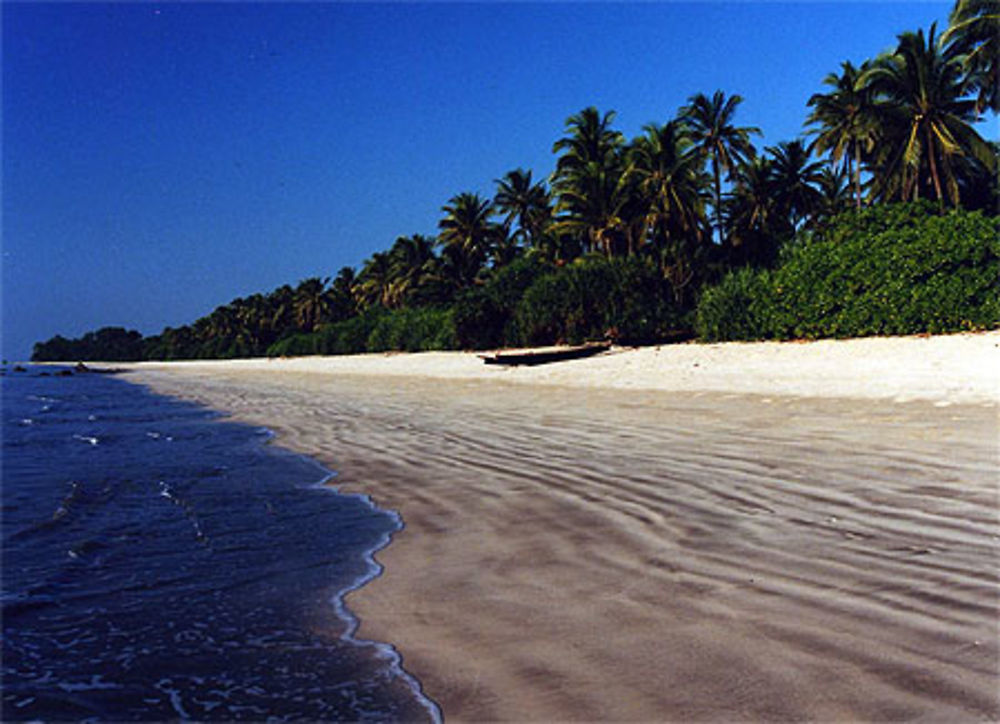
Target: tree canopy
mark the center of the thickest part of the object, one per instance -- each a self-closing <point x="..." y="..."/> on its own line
<point x="690" y="198"/>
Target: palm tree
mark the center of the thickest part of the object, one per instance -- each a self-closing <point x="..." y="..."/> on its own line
<point x="467" y="230"/>
<point x="756" y="222"/>
<point x="666" y="175"/>
<point x="412" y="261"/>
<point x="342" y="301"/>
<point x="589" y="139"/>
<point x="927" y="119"/>
<point x="665" y="169"/>
<point x="280" y="302"/>
<point x="979" y="187"/>
<point x="310" y="303"/>
<point x="525" y="203"/>
<point x="223" y="323"/>
<point x="556" y="247"/>
<point x="834" y="194"/>
<point x="974" y="34"/>
<point x="846" y="121"/>
<point x="255" y="316"/>
<point x="795" y="180"/>
<point x="588" y="180"/>
<point x="374" y="282"/>
<point x="710" y="121"/>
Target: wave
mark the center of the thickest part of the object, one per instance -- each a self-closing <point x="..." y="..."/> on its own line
<point x="373" y="569"/>
<point x="199" y="533"/>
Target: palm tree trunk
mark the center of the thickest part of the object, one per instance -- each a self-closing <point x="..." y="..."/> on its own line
<point x="857" y="172"/>
<point x="718" y="196"/>
<point x="934" y="171"/>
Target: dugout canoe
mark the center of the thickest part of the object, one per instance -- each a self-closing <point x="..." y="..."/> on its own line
<point x="545" y="355"/>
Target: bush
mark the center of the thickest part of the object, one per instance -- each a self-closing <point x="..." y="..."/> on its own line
<point x="733" y="310"/>
<point x="484" y="317"/>
<point x="377" y="330"/>
<point x="594" y="298"/>
<point x="297" y="345"/>
<point x="413" y="330"/>
<point x="347" y="337"/>
<point x="897" y="269"/>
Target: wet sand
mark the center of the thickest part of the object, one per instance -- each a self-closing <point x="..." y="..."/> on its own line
<point x="611" y="554"/>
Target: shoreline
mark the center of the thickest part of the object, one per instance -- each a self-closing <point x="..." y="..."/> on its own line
<point x="373" y="569"/>
<point x="958" y="368"/>
<point x="603" y="553"/>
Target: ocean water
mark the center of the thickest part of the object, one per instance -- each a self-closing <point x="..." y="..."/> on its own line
<point x="160" y="563"/>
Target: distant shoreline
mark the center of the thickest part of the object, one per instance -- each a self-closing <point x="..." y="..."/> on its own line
<point x="956" y="368"/>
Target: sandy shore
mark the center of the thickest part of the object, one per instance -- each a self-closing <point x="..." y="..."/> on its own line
<point x="695" y="533"/>
<point x="954" y="368"/>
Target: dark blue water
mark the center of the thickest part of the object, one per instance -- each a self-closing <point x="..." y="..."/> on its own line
<point x="160" y="563"/>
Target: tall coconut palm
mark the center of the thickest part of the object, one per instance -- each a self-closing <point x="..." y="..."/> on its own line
<point x="525" y="203"/>
<point x="412" y="259"/>
<point x="590" y="206"/>
<point x="927" y="117"/>
<point x="978" y="186"/>
<point x="834" y="194"/>
<point x="469" y="232"/>
<point x="589" y="138"/>
<point x="845" y="121"/>
<point x="505" y="250"/>
<point x="666" y="175"/>
<point x="757" y="223"/>
<point x="256" y="320"/>
<point x="588" y="179"/>
<point x="310" y="303"/>
<point x="725" y="145"/>
<point x="795" y="180"/>
<point x="342" y="302"/>
<point x="281" y="303"/>
<point x="666" y="171"/>
<point x="974" y="34"/>
<point x="374" y="282"/>
<point x="223" y="324"/>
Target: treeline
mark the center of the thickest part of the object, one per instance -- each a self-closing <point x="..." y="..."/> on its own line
<point x="108" y="343"/>
<point x="635" y="238"/>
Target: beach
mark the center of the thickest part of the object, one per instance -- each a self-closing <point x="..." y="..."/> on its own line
<point x="767" y="531"/>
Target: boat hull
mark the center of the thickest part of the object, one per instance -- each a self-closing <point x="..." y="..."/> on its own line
<point x="547" y="356"/>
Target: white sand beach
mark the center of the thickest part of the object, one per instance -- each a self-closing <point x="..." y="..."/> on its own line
<point x="798" y="531"/>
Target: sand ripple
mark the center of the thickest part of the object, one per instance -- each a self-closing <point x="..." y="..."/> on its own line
<point x="613" y="555"/>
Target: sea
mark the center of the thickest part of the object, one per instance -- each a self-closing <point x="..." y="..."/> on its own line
<point x="163" y="563"/>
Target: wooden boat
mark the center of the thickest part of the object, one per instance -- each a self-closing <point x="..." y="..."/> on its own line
<point x="544" y="355"/>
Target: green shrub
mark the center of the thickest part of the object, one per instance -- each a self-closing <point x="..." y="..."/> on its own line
<point x="594" y="298"/>
<point x="413" y="330"/>
<point x="297" y="345"/>
<point x="347" y="337"/>
<point x="735" y="309"/>
<point x="377" y="330"/>
<point x="484" y="317"/>
<point x="351" y="335"/>
<point x="898" y="269"/>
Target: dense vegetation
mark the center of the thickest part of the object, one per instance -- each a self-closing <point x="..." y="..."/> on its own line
<point x="881" y="220"/>
<point x="897" y="269"/>
<point x="107" y="343"/>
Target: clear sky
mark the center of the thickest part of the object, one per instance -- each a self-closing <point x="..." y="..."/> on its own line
<point x="162" y="159"/>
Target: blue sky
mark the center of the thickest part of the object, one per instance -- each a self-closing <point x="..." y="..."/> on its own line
<point x="162" y="159"/>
